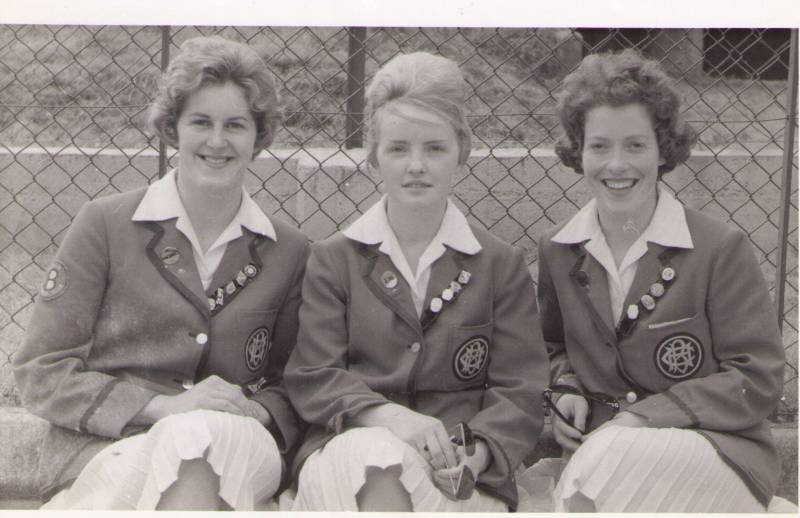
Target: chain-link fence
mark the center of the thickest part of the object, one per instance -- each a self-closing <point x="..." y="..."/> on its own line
<point x="73" y="102"/>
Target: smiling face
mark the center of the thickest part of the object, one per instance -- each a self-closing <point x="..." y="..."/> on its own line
<point x="216" y="137"/>
<point x="417" y="155"/>
<point x="620" y="160"/>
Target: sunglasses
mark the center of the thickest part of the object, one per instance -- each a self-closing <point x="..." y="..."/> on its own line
<point x="597" y="397"/>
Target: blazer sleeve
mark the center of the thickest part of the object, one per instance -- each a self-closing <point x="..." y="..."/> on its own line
<point x="51" y="366"/>
<point x="561" y="371"/>
<point x="512" y="415"/>
<point x="286" y="427"/>
<point x="319" y="384"/>
<point x="746" y="343"/>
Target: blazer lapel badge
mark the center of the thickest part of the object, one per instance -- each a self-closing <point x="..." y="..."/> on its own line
<point x="647" y="302"/>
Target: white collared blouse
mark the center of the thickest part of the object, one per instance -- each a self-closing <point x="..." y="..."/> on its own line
<point x="373" y="227"/>
<point x="162" y="202"/>
<point x="667" y="228"/>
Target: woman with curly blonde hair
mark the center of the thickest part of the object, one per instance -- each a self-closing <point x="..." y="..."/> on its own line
<point x="158" y="342"/>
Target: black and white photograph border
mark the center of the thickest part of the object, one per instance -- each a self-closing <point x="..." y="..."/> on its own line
<point x="62" y="144"/>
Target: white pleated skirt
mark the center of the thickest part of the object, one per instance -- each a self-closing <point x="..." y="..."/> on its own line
<point x="134" y="472"/>
<point x="624" y="469"/>
<point x="333" y="475"/>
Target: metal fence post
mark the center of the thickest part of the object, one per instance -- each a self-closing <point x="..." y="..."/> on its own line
<point x="356" y="58"/>
<point x="162" y="148"/>
<point x="786" y="181"/>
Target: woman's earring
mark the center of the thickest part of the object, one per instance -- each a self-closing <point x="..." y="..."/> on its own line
<point x="170" y="132"/>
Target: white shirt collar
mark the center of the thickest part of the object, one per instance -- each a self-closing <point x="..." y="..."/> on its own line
<point x="668" y="226"/>
<point x="162" y="202"/>
<point x="373" y="228"/>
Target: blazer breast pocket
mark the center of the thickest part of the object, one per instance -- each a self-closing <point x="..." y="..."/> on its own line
<point x="254" y="339"/>
<point x="677" y="349"/>
<point x="672" y="322"/>
<point x="469" y="355"/>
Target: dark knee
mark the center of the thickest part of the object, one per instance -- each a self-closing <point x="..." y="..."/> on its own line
<point x="197" y="488"/>
<point x="198" y="465"/>
<point x="389" y="473"/>
<point x="383" y="491"/>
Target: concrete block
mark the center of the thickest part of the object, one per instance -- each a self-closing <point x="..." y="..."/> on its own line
<point x="21" y="435"/>
<point x="786" y="440"/>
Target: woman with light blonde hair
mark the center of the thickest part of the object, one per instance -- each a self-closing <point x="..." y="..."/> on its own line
<point x="419" y="362"/>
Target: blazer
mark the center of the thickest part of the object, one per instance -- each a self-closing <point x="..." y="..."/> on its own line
<point x="480" y="359"/>
<point x="707" y="356"/>
<point x="122" y="317"/>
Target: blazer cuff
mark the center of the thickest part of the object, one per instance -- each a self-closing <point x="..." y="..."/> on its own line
<point x="497" y="479"/>
<point x="665" y="410"/>
<point x="285" y="426"/>
<point x="118" y="402"/>
<point x="341" y="420"/>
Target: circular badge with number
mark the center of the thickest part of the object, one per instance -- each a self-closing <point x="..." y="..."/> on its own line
<point x="55" y="283"/>
<point x="255" y="351"/>
<point x="470" y="358"/>
<point x="679" y="356"/>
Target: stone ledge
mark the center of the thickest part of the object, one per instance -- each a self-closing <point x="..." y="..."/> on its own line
<point x="21" y="434"/>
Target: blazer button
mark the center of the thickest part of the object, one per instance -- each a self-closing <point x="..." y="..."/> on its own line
<point x="187" y="384"/>
<point x="201" y="338"/>
<point x="415" y="347"/>
<point x="631" y="397"/>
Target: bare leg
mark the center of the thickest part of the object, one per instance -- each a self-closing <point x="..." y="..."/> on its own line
<point x="383" y="491"/>
<point x="197" y="488"/>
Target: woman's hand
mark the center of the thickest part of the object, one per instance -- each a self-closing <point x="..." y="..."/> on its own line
<point x="447" y="479"/>
<point x="424" y="433"/>
<point x="576" y="409"/>
<point x="213" y="393"/>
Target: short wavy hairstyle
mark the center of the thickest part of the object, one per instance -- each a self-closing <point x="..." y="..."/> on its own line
<point x="428" y="81"/>
<point x="213" y="60"/>
<point x="617" y="79"/>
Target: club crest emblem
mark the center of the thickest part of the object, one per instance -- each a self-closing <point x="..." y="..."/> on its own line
<point x="470" y="358"/>
<point x="255" y="351"/>
<point x="679" y="356"/>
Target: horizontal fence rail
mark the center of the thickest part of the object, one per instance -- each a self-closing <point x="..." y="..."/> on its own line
<point x="73" y="104"/>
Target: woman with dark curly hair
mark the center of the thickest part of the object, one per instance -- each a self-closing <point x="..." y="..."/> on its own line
<point x="665" y="351"/>
<point x="159" y="338"/>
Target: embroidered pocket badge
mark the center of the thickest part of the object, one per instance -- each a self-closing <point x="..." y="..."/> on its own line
<point x="470" y="358"/>
<point x="256" y="348"/>
<point x="678" y="356"/>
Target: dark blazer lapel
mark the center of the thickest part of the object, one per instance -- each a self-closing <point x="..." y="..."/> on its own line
<point x="591" y="282"/>
<point x="240" y="264"/>
<point x="236" y="257"/>
<point x="171" y="254"/>
<point x="647" y="272"/>
<point x="443" y="271"/>
<point x="397" y="297"/>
